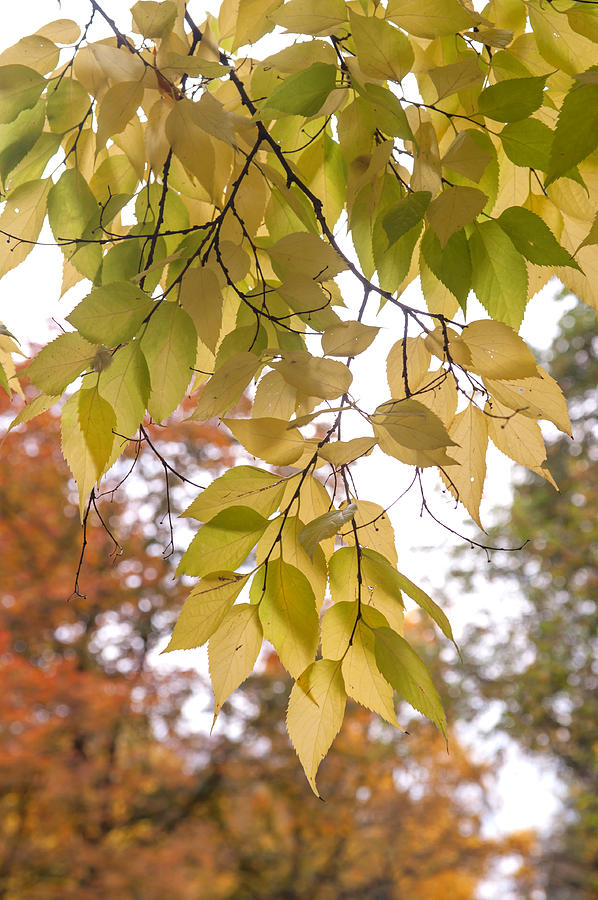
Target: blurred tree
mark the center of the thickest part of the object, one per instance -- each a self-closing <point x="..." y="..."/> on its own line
<point x="542" y="665"/>
<point x="104" y="792"/>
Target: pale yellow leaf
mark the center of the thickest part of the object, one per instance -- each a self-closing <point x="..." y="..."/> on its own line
<point x="118" y="105"/>
<point x="516" y="435"/>
<point x="497" y="351"/>
<point x="407" y="360"/>
<point x="373" y="529"/>
<point x="274" y="397"/>
<point x="314" y="376"/>
<point x="315" y="714"/>
<point x="412" y="424"/>
<point x="465" y="481"/>
<point x="233" y="650"/>
<point x="363" y="680"/>
<point x="538" y="398"/>
<point x="341" y="453"/>
<point x="348" y="338"/>
<point x="466" y="157"/>
<point x="268" y="438"/>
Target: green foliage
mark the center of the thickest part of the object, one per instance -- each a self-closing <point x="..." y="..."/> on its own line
<point x="202" y="192"/>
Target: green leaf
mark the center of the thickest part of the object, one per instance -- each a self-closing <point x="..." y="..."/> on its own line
<point x="287" y="609"/>
<point x="97" y="422"/>
<point x="224" y="542"/>
<point x="404" y="670"/>
<point x="576" y="134"/>
<point x="451" y="264"/>
<point x="111" y="315"/>
<point x="315" y="714"/>
<point x="528" y="143"/>
<point x="60" y="362"/>
<point x="499" y="274"/>
<point x="169" y="345"/>
<point x="233" y="650"/>
<point x="125" y="384"/>
<point x="72" y="210"/>
<point x="19" y="136"/>
<point x="304" y="93"/>
<point x="20" y="88"/>
<point x="68" y="104"/>
<point x="426" y="603"/>
<point x="239" y="486"/>
<point x="405" y="215"/>
<point x="533" y="238"/>
<point x="325" y="526"/>
<point x="387" y="111"/>
<point x="204" y="609"/>
<point x="512" y="99"/>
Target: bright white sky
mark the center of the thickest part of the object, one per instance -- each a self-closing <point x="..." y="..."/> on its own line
<point x="29" y="298"/>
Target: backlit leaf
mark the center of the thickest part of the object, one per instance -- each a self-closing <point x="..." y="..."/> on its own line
<point x="224" y="542"/>
<point x="233" y="650"/>
<point x="315" y="714"/>
<point x="287" y="611"/>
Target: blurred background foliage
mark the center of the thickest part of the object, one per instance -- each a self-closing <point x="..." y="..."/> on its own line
<point x="107" y="788"/>
<point x="540" y="665"/>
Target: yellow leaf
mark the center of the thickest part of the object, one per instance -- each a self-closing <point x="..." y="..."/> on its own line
<point x="268" y="438"/>
<point x="204" y="609"/>
<point x="516" y="435"/>
<point x="118" y="105"/>
<point x="363" y="680"/>
<point x="466" y="157"/>
<point x="412" y="424"/>
<point x="431" y="18"/>
<point x="314" y="376"/>
<point x="373" y="529"/>
<point x="287" y="611"/>
<point x="410" y="358"/>
<point x="22" y="217"/>
<point x="239" y="486"/>
<point x="317" y="17"/>
<point x="289" y="548"/>
<point x="224" y="542"/>
<point x="305" y="254"/>
<point x="453" y="208"/>
<point x="274" y="397"/>
<point x="497" y="351"/>
<point x="341" y="453"/>
<point x="97" y="422"/>
<point x="383" y="52"/>
<point x="191" y="144"/>
<point x="325" y="526"/>
<point x="338" y="624"/>
<point x="315" y="714"/>
<point x="538" y="398"/>
<point x="226" y="385"/>
<point x="233" y="650"/>
<point x="465" y="481"/>
<point x="76" y="452"/>
<point x="455" y="77"/>
<point x="348" y="338"/>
